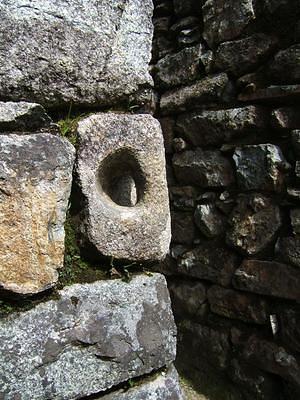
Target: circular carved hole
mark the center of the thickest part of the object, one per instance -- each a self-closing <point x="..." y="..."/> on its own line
<point x="121" y="178"/>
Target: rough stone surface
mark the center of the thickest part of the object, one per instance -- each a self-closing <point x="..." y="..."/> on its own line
<point x="35" y="176"/>
<point x="226" y="19"/>
<point x="98" y="52"/>
<point x="286" y="118"/>
<point x="254" y="223"/>
<point x="22" y="116"/>
<point x="233" y="304"/>
<point x="272" y="358"/>
<point x="187" y="7"/>
<point x="295" y="220"/>
<point x="209" y="261"/>
<point x="203" y="168"/>
<point x="183" y="228"/>
<point x="272" y="93"/>
<point x="241" y="56"/>
<point x="93" y="337"/>
<point x="188" y="298"/>
<point x="205" y="128"/>
<point x="289" y="249"/>
<point x="260" y="167"/>
<point x="114" y="147"/>
<point x="164" y="386"/>
<point x="254" y="382"/>
<point x="211" y="345"/>
<point x="208" y="90"/>
<point x="296" y="141"/>
<point x="290" y="328"/>
<point x="209" y="220"/>
<point x="268" y="278"/>
<point x="180" y="68"/>
<point x="183" y="197"/>
<point x="285" y="66"/>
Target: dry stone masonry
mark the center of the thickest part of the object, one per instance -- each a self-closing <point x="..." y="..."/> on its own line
<point x="227" y="75"/>
<point x="84" y="206"/>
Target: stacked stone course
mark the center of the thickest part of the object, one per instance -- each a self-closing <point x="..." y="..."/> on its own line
<point x="227" y="74"/>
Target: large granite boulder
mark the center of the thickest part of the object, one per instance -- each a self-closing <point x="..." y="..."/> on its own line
<point x="94" y="337"/>
<point x="22" y="116"/>
<point x="85" y="51"/>
<point x="35" y="184"/>
<point x="164" y="386"/>
<point x="121" y="171"/>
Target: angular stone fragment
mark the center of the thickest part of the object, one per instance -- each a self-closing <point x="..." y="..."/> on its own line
<point x="117" y="150"/>
<point x="188" y="298"/>
<point x="98" y="53"/>
<point x="209" y="220"/>
<point x="203" y="168"/>
<point x="268" y="278"/>
<point x="183" y="228"/>
<point x="93" y="337"/>
<point x="209" y="261"/>
<point x="167" y="126"/>
<point x="260" y="167"/>
<point x="22" y="116"/>
<point x="285" y="66"/>
<point x="164" y="386"/>
<point x="241" y="56"/>
<point x="272" y="358"/>
<point x="233" y="304"/>
<point x="286" y="118"/>
<point x="183" y="197"/>
<point x="179" y="68"/>
<point x="204" y="128"/>
<point x="35" y="184"/>
<point x="289" y="249"/>
<point x="226" y="19"/>
<point x="210" y="89"/>
<point x="253" y="223"/>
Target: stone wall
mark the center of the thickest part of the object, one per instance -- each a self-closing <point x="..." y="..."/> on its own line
<point x="227" y="75"/>
<point x="84" y="209"/>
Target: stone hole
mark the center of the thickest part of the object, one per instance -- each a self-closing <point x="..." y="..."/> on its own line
<point x="121" y="178"/>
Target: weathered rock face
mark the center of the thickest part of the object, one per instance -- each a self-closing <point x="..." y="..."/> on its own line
<point x="180" y="68"/>
<point x="98" y="52"/>
<point x="203" y="168"/>
<point x="36" y="176"/>
<point x="226" y="19"/>
<point x="210" y="89"/>
<point x="188" y="298"/>
<point x="240" y="56"/>
<point x="268" y="278"/>
<point x="209" y="220"/>
<point x="286" y="118"/>
<point x="254" y="223"/>
<point x="22" y="116"/>
<point x="209" y="261"/>
<point x="260" y="167"/>
<point x="101" y="334"/>
<point x="289" y="249"/>
<point x="206" y="128"/>
<point x="233" y="304"/>
<point x="183" y="228"/>
<point x="121" y="170"/>
<point x="285" y="66"/>
<point x="165" y="386"/>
